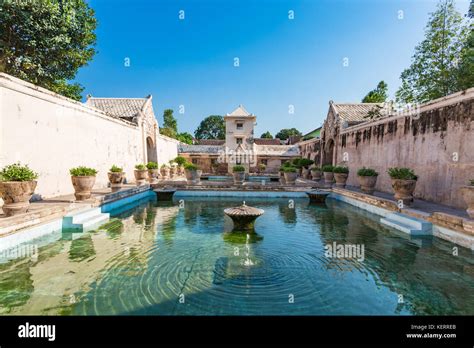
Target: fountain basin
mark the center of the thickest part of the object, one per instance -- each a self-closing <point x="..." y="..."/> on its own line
<point x="317" y="196"/>
<point x="165" y="194"/>
<point x="243" y="216"/>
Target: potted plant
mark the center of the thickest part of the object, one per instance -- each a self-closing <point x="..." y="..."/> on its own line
<point x="316" y="173"/>
<point x="403" y="183"/>
<point x="239" y="174"/>
<point x="367" y="179"/>
<point x="115" y="175"/>
<point x="165" y="171"/>
<point x="282" y="175"/>
<point x="468" y="195"/>
<point x="173" y="169"/>
<point x="328" y="174"/>
<point x="141" y="174"/>
<point x="290" y="173"/>
<point x="83" y="180"/>
<point x="17" y="185"/>
<point x="296" y="164"/>
<point x="153" y="172"/>
<point x="193" y="174"/>
<point x="340" y="175"/>
<point x="261" y="168"/>
<point x="180" y="161"/>
<point x="305" y="163"/>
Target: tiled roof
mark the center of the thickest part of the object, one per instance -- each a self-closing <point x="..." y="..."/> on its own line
<point x="125" y="108"/>
<point x="240" y="111"/>
<point x="266" y="141"/>
<point x="354" y="112"/>
<point x="210" y="142"/>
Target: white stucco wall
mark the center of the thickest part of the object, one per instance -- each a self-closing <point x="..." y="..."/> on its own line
<point x="52" y="134"/>
<point x="167" y="148"/>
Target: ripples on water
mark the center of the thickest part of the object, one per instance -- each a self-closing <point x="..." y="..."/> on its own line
<point x="157" y="258"/>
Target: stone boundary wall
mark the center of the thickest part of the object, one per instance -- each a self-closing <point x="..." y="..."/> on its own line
<point x="52" y="134"/>
<point x="437" y="143"/>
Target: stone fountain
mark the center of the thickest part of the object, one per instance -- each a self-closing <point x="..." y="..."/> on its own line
<point x="243" y="216"/>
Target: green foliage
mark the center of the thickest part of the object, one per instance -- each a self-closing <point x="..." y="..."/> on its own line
<point x="168" y="132"/>
<point x="285" y="133"/>
<point x="471" y="182"/>
<point x="434" y="69"/>
<point x="82" y="171"/>
<point x="340" y="170"/>
<point x="17" y="172"/>
<point x="328" y="168"/>
<point x="190" y="166"/>
<point x="262" y="166"/>
<point x="238" y="169"/>
<point x="466" y="64"/>
<point x="402" y="173"/>
<point x="289" y="169"/>
<point x="378" y="95"/>
<point x="152" y="165"/>
<point x="171" y="162"/>
<point x="305" y="162"/>
<point x="115" y="169"/>
<point x="46" y="42"/>
<point x="140" y="166"/>
<point x="316" y="169"/>
<point x="212" y="127"/>
<point x="286" y="164"/>
<point x="164" y="166"/>
<point x="375" y="112"/>
<point x="266" y="135"/>
<point x="180" y="160"/>
<point x="169" y="121"/>
<point x="367" y="172"/>
<point x="185" y="138"/>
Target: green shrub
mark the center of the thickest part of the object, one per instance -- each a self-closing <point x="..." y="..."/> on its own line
<point x="367" y="172"/>
<point x="290" y="169"/>
<point x="286" y="164"/>
<point x="164" y="165"/>
<point x="304" y="162"/>
<point x="316" y="169"/>
<point x="190" y="166"/>
<point x="17" y="172"/>
<point x="171" y="162"/>
<point x="296" y="162"/>
<point x="402" y="173"/>
<point x="341" y="170"/>
<point x="262" y="166"/>
<point x="140" y="166"/>
<point x="83" y="171"/>
<point x="471" y="182"/>
<point x="328" y="168"/>
<point x="115" y="169"/>
<point x="152" y="165"/>
<point x="238" y="169"/>
<point x="180" y="160"/>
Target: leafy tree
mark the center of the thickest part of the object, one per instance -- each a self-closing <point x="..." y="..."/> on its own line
<point x="466" y="66"/>
<point x="378" y="95"/>
<point x="168" y="132"/>
<point x="267" y="135"/>
<point x="169" y="121"/>
<point x="212" y="127"/>
<point x="284" y="134"/>
<point x="433" y="72"/>
<point x="46" y="42"/>
<point x="185" y="137"/>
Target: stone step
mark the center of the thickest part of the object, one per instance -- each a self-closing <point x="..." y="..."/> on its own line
<point x="84" y="220"/>
<point x="408" y="224"/>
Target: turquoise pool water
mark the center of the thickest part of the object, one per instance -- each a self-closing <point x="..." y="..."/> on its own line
<point x="180" y="258"/>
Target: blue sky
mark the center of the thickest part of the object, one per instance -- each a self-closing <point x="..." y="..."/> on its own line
<point x="283" y="61"/>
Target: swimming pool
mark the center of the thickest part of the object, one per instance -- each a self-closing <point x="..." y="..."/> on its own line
<point x="181" y="258"/>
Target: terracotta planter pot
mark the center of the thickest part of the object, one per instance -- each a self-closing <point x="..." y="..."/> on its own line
<point x="341" y="179"/>
<point x="192" y="176"/>
<point x="153" y="175"/>
<point x="82" y="186"/>
<point x="239" y="178"/>
<point x="181" y="170"/>
<point x="305" y="173"/>
<point x="367" y="183"/>
<point x="116" y="180"/>
<point x="468" y="195"/>
<point x="165" y="172"/>
<point x="316" y="175"/>
<point x="173" y="171"/>
<point x="16" y="196"/>
<point x="282" y="178"/>
<point x="328" y="177"/>
<point x="290" y="178"/>
<point x="141" y="176"/>
<point x="404" y="190"/>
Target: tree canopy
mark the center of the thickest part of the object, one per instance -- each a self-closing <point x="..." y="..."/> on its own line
<point x="185" y="137"/>
<point x="285" y="133"/>
<point x="46" y="42"/>
<point x="466" y="65"/>
<point x="212" y="127"/>
<point x="434" y="71"/>
<point x="378" y="95"/>
<point x="169" y="121"/>
<point x="267" y="135"/>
